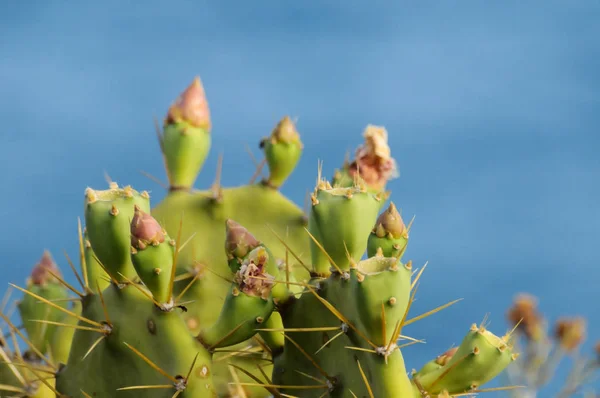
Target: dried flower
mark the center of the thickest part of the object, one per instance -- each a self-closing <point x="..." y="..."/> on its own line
<point x="524" y="313"/>
<point x="373" y="160"/>
<point x="570" y="332"/>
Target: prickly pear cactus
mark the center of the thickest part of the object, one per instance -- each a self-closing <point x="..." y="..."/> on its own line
<point x="236" y="292"/>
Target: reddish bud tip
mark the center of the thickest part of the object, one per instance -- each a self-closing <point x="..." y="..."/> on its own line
<point x="446" y="356"/>
<point x="40" y="274"/>
<point x="145" y="230"/>
<point x="390" y="222"/>
<point x="286" y="132"/>
<point x="239" y="241"/>
<point x="191" y="107"/>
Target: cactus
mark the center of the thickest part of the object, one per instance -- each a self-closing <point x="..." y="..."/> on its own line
<point x="236" y="291"/>
<point x="545" y="350"/>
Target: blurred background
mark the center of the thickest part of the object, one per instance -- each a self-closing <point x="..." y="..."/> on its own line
<point x="492" y="110"/>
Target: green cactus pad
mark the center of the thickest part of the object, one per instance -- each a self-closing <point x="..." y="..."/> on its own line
<point x="31" y="310"/>
<point x="152" y="253"/>
<point x="344" y="218"/>
<point x="258" y="208"/>
<point x="112" y="364"/>
<point x="108" y="216"/>
<point x="185" y="149"/>
<point x="60" y="343"/>
<point x="480" y="357"/>
<point x="382" y="290"/>
<point x="97" y="278"/>
<point x="283" y="150"/>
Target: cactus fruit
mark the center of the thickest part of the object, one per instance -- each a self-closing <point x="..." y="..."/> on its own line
<point x="236" y="291"/>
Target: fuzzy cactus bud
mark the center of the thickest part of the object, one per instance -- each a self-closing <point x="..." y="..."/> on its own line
<point x="186" y="140"/>
<point x="570" y="332"/>
<point x="238" y="243"/>
<point x="40" y="274"/>
<point x="373" y="162"/>
<point x="43" y="284"/>
<point x="446" y="356"/>
<point x="282" y="151"/>
<point x="145" y="230"/>
<point x="152" y="254"/>
<point x="191" y="107"/>
<point x="389" y="234"/>
<point x="524" y="314"/>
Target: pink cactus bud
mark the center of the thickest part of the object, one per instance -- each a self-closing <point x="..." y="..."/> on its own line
<point x="191" y="107"/>
<point x="239" y="241"/>
<point x="40" y="274"/>
<point x="145" y="230"/>
<point x="446" y="356"/>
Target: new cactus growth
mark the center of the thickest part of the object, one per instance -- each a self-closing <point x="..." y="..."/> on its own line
<point x="236" y="292"/>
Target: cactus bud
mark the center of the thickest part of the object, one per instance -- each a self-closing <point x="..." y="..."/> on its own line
<point x="191" y="107"/>
<point x="570" y="332"/>
<point x="374" y="281"/>
<point x="186" y="140"/>
<point x="40" y="274"/>
<point x="390" y="234"/>
<point x="446" y="356"/>
<point x="145" y="230"/>
<point x="152" y="256"/>
<point x="373" y="162"/>
<point x="248" y="304"/>
<point x="43" y="284"/>
<point x="238" y="243"/>
<point x="282" y="151"/>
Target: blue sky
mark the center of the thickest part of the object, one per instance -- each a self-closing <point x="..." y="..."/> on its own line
<point x="492" y="111"/>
